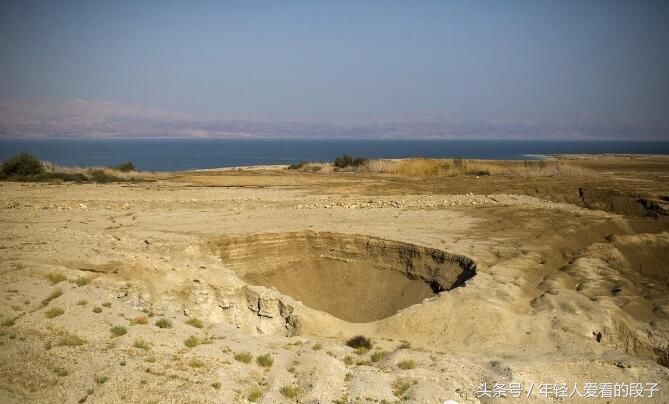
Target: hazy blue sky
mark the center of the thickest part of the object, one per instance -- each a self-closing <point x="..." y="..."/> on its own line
<point x="338" y="61"/>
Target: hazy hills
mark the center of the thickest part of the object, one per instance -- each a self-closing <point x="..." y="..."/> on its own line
<point x="81" y="118"/>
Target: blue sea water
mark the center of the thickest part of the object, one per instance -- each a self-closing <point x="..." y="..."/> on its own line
<point x="184" y="154"/>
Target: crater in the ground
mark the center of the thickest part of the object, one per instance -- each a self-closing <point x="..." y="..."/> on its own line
<point x="355" y="278"/>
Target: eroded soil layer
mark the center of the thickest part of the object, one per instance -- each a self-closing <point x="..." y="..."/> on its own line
<point x="355" y="278"/>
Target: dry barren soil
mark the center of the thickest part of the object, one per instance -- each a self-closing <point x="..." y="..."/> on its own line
<point x="244" y="285"/>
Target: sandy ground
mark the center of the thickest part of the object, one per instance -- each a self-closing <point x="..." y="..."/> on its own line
<point x="570" y="291"/>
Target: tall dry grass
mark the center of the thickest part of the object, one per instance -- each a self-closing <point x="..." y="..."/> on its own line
<point x="108" y="173"/>
<point x="424" y="167"/>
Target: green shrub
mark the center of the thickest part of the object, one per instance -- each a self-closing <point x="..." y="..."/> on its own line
<point x="97" y="309"/>
<point x="106" y="304"/>
<point x="118" y="330"/>
<point x="126" y="167"/>
<point x="244" y="357"/>
<point x="23" y="164"/>
<point x="8" y="322"/>
<point x="359" y="341"/>
<point x="265" y="360"/>
<point x="163" y="323"/>
<point x="54" y="312"/>
<point x="346" y="160"/>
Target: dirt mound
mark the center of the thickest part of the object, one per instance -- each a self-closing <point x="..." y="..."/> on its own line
<point x="355" y="278"/>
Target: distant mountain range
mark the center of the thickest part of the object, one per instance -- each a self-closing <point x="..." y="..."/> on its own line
<point x="54" y="118"/>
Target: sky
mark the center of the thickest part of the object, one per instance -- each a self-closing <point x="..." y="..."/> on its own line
<point x="347" y="61"/>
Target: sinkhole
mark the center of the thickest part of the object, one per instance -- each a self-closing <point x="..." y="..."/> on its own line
<point x="352" y="277"/>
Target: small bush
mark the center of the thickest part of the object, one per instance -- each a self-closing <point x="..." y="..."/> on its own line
<point x="348" y="360"/>
<point x="244" y="357"/>
<point x="82" y="281"/>
<point x="345" y="161"/>
<point x="141" y="344"/>
<point x="97" y="309"/>
<point x="265" y="360"/>
<point x="378" y="356"/>
<point x="55" y="277"/>
<point x="62" y="372"/>
<point x="53" y="295"/>
<point x="101" y="379"/>
<point x="317" y="347"/>
<point x="360" y="341"/>
<point x="297" y="166"/>
<point x="54" y="312"/>
<point x="71" y="340"/>
<point x="102" y="177"/>
<point x="106" y="304"/>
<point x="406" y="364"/>
<point x="196" y="363"/>
<point x="126" y="167"/>
<point x="141" y="320"/>
<point x="163" y="323"/>
<point x="216" y="385"/>
<point x="404" y="345"/>
<point x="400" y="388"/>
<point x="195" y="322"/>
<point x="23" y="164"/>
<point x="8" y="322"/>
<point x="289" y="391"/>
<point x="118" y="330"/>
<point x="192" y="341"/>
<point x="82" y="303"/>
<point x="254" y="395"/>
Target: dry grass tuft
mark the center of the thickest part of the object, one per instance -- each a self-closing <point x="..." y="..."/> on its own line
<point x="141" y="320"/>
<point x="406" y="364"/>
<point x="289" y="391"/>
<point x="195" y="322"/>
<point x="54" y="312"/>
<point x="141" y="344"/>
<point x="265" y="360"/>
<point x="53" y="295"/>
<point x="244" y="357"/>
<point x="254" y="395"/>
<point x="118" y="330"/>
<point x="55" y="277"/>
<point x="424" y="167"/>
<point x="71" y="340"/>
<point x="400" y="388"/>
<point x="163" y="323"/>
